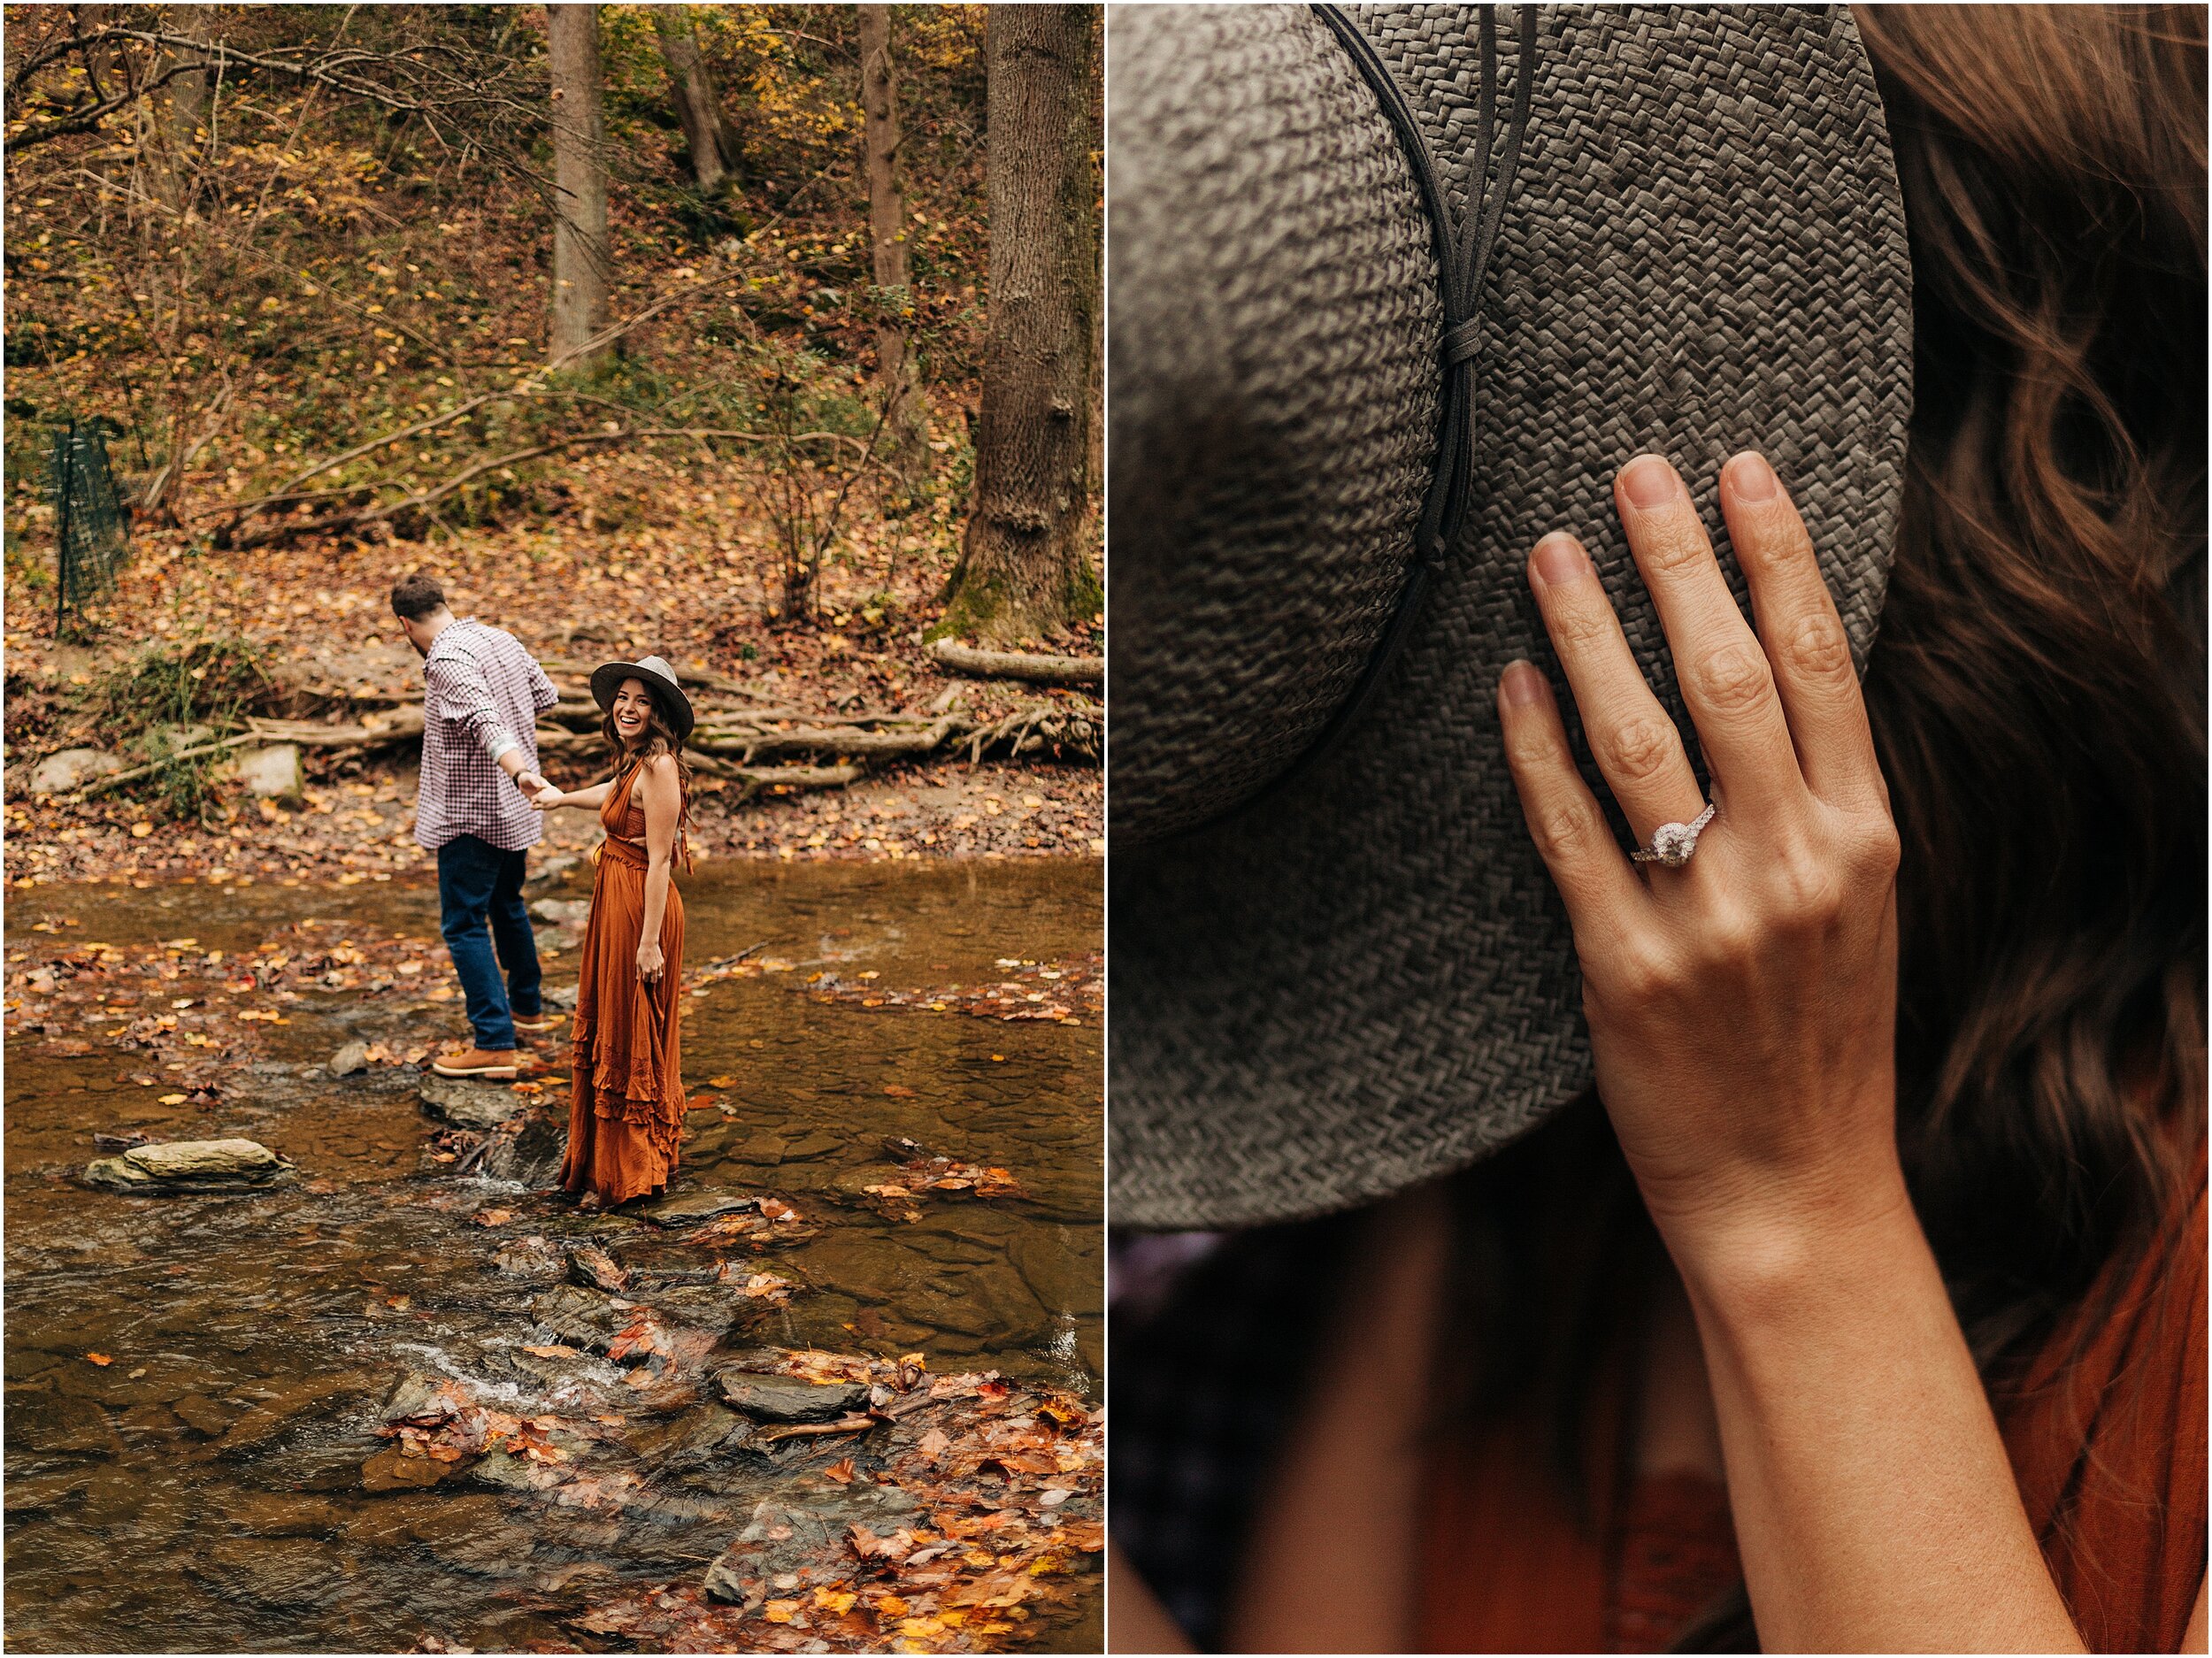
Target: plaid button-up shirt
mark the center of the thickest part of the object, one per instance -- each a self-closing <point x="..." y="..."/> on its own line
<point x="482" y="693"/>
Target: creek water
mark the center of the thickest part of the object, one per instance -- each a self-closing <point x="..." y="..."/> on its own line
<point x="203" y="1489"/>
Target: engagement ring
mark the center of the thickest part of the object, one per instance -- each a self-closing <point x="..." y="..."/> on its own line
<point x="1671" y="843"/>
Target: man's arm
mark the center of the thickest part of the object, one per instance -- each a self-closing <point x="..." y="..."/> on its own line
<point x="459" y="692"/>
<point x="543" y="695"/>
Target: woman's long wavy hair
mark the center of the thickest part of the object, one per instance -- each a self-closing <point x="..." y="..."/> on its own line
<point x="2038" y="687"/>
<point x="2037" y="692"/>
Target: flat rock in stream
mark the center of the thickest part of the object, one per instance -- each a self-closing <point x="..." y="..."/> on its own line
<point x="353" y="1057"/>
<point x="595" y="1269"/>
<point x="394" y="1469"/>
<point x="695" y="1207"/>
<point x="788" y="1398"/>
<point x="702" y="1435"/>
<point x="805" y="1535"/>
<point x="578" y="1318"/>
<point x="531" y="1156"/>
<point x="179" y="1166"/>
<point x="422" y="1399"/>
<point x="720" y="1307"/>
<point x="478" y="1105"/>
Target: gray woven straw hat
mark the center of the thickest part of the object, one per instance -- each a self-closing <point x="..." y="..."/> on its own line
<point x="1337" y="966"/>
<point x="657" y="677"/>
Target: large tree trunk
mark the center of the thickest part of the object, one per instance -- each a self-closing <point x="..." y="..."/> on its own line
<point x="906" y="430"/>
<point x="181" y="106"/>
<point x="1023" y="569"/>
<point x="579" y="184"/>
<point x="713" y="146"/>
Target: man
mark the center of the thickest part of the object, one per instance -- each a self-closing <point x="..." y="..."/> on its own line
<point x="482" y="694"/>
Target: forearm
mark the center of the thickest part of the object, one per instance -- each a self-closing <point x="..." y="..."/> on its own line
<point x="595" y="797"/>
<point x="655" y="897"/>
<point x="1141" y="1623"/>
<point x="1875" y="1507"/>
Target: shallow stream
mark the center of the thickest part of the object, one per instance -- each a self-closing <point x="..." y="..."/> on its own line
<point x="203" y="1488"/>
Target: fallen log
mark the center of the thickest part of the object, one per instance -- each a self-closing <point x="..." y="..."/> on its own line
<point x="116" y="779"/>
<point x="728" y="751"/>
<point x="764" y="777"/>
<point x="1018" y="665"/>
<point x="405" y="724"/>
<point x="869" y="744"/>
<point x="402" y="724"/>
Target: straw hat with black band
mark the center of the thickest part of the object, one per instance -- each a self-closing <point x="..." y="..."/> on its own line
<point x="660" y="682"/>
<point x="1396" y="290"/>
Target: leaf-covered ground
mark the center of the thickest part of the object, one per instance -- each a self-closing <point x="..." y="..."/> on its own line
<point x="335" y="279"/>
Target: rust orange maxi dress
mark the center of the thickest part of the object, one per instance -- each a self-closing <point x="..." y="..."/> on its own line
<point x="626" y="1107"/>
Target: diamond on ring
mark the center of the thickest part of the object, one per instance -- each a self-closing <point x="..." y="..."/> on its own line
<point x="1671" y="843"/>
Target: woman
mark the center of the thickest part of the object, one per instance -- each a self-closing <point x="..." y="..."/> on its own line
<point x="1883" y="1296"/>
<point x="626" y="1107"/>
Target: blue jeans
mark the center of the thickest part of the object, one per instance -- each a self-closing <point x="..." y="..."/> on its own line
<point x="478" y="881"/>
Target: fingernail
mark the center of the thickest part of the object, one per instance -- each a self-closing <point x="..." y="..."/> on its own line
<point x="1520" y="684"/>
<point x="1751" y="477"/>
<point x="1559" y="559"/>
<point x="1648" y="481"/>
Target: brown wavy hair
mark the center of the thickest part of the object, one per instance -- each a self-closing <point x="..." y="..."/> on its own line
<point x="2037" y="690"/>
<point x="2038" y="695"/>
<point x="660" y="738"/>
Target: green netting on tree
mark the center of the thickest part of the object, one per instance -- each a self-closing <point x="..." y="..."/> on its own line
<point x="92" y="531"/>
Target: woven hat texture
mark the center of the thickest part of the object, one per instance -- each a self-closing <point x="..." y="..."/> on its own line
<point x="1368" y="979"/>
<point x="1275" y="299"/>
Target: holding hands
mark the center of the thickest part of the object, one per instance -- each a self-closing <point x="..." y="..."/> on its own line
<point x="1741" y="1001"/>
<point x="540" y="793"/>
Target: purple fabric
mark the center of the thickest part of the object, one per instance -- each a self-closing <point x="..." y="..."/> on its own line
<point x="482" y="694"/>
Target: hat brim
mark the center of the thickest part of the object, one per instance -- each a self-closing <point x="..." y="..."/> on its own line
<point x="606" y="682"/>
<point x="1371" y="981"/>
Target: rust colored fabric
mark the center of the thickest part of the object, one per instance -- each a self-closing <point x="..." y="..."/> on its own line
<point x="626" y="1105"/>
<point x="1675" y="1556"/>
<point x="1515" y="1562"/>
<point x="2108" y="1436"/>
<point x="2107" y="1432"/>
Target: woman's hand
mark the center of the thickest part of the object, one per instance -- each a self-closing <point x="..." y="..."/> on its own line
<point x="649" y="960"/>
<point x="547" y="798"/>
<point x="1741" y="1007"/>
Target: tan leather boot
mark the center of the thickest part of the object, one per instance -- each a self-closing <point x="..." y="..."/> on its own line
<point x="479" y="1063"/>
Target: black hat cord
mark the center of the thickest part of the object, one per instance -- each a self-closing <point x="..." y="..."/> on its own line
<point x="1463" y="248"/>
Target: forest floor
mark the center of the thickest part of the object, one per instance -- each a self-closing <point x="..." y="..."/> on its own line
<point x="691" y="589"/>
<point x="383" y="298"/>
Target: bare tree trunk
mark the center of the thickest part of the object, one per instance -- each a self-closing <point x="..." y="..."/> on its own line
<point x="580" y="259"/>
<point x="1023" y="569"/>
<point x="181" y="107"/>
<point x="906" y="433"/>
<point x="713" y="146"/>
